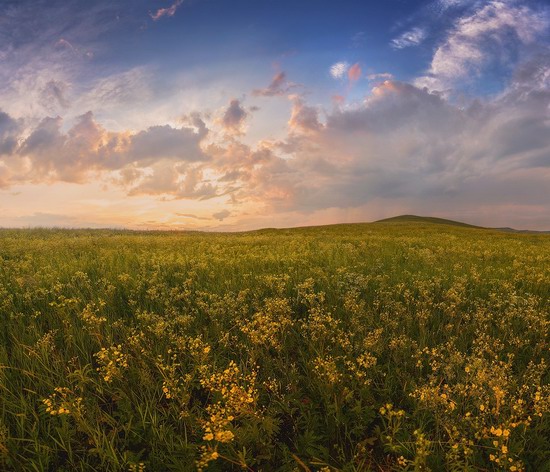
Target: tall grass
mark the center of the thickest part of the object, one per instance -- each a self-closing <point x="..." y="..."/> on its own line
<point x="389" y="346"/>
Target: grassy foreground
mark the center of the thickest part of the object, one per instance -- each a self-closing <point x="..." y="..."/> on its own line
<point x="387" y="346"/>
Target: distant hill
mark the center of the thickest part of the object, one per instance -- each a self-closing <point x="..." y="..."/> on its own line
<point x="424" y="219"/>
<point x="443" y="221"/>
<point x="525" y="231"/>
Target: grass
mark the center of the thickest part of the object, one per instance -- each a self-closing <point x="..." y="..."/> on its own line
<point x="398" y="345"/>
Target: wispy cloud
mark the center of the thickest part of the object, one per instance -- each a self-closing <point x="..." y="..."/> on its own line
<point x="359" y="39"/>
<point x="491" y="32"/>
<point x="278" y="86"/>
<point x="413" y="37"/>
<point x="380" y="76"/>
<point x="168" y="11"/>
<point x="354" y="72"/>
<point x="192" y="216"/>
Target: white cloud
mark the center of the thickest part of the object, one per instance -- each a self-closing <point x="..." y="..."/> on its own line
<point x="488" y="34"/>
<point x="409" y="38"/>
<point x="338" y="70"/>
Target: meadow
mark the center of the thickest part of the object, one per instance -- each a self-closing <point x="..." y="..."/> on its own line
<point x="399" y="345"/>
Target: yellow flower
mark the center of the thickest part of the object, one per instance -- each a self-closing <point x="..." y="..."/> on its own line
<point x="224" y="436"/>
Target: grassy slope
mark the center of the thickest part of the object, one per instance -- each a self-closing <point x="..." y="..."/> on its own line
<point x="424" y="220"/>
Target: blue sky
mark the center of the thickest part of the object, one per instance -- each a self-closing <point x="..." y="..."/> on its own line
<point x="244" y="114"/>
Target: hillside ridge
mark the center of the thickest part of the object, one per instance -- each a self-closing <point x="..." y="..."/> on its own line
<point x="425" y="219"/>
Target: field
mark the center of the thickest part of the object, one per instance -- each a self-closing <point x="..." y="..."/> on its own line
<point x="400" y="345"/>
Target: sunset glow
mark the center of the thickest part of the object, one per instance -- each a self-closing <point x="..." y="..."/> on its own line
<point x="215" y="115"/>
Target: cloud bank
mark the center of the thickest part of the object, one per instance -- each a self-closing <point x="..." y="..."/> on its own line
<point x="401" y="146"/>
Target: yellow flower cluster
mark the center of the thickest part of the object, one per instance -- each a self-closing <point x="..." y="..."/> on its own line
<point x="174" y="383"/>
<point x="268" y="325"/>
<point x="139" y="467"/>
<point x="327" y="369"/>
<point x="112" y="362"/>
<point x="91" y="317"/>
<point x="237" y="394"/>
<point x="360" y="367"/>
<point x="62" y="402"/>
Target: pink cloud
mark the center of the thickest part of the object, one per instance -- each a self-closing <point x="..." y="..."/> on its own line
<point x="169" y="11"/>
<point x="278" y="86"/>
<point x="354" y="72"/>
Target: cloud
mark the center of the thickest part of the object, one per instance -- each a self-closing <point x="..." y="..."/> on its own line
<point x="46" y="48"/>
<point x="234" y="117"/>
<point x="380" y="76"/>
<point x="221" y="215"/>
<point x="50" y="154"/>
<point x="303" y="118"/>
<point x="405" y="147"/>
<point x="338" y="70"/>
<point x="9" y="134"/>
<point x="448" y="4"/>
<point x="54" y="95"/>
<point x="168" y="11"/>
<point x="401" y="148"/>
<point x="63" y="43"/>
<point x="354" y="72"/>
<point x="107" y="93"/>
<point x="193" y="216"/>
<point x="165" y="142"/>
<point x="177" y="181"/>
<point x="413" y="37"/>
<point x="278" y="86"/>
<point x="492" y="32"/>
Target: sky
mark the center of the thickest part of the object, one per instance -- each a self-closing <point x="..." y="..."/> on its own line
<point x="228" y="116"/>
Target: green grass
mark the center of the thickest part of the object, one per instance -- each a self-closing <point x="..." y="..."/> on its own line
<point x="424" y="219"/>
<point x="404" y="344"/>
